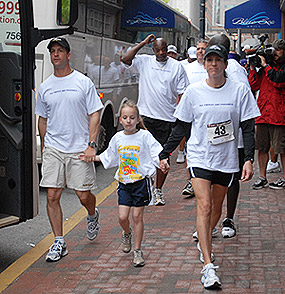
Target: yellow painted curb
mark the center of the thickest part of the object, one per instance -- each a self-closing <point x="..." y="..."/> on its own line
<point x="25" y="261"/>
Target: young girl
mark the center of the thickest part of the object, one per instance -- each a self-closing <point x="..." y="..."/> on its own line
<point x="135" y="151"/>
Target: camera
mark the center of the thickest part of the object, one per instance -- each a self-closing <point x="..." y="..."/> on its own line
<point x="267" y="51"/>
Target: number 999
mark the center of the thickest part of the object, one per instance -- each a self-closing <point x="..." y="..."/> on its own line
<point x="9" y="7"/>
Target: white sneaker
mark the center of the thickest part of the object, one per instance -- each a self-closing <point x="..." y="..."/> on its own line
<point x="158" y="197"/>
<point x="180" y="157"/>
<point x="201" y="254"/>
<point x="273" y="167"/>
<point x="56" y="251"/>
<point x="214" y="233"/>
<point x="93" y="226"/>
<point x="209" y="278"/>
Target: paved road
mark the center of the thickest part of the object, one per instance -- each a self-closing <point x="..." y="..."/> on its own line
<point x="15" y="241"/>
<point x="253" y="262"/>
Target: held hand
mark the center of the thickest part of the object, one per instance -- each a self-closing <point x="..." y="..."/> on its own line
<point x="83" y="157"/>
<point x="164" y="166"/>
<point x="247" y="171"/>
<point x="88" y="155"/>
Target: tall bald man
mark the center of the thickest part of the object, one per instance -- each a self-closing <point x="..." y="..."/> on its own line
<point x="162" y="81"/>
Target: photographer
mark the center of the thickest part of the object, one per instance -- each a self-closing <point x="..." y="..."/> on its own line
<point x="270" y="126"/>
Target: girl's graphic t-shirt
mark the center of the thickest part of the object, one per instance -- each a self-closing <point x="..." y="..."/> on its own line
<point x="136" y="156"/>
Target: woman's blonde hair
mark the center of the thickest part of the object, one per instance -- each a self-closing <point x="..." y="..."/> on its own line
<point x="132" y="104"/>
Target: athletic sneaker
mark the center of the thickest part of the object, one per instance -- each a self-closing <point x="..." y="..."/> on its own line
<point x="138" y="258"/>
<point x="180" y="157"/>
<point x="188" y="189"/>
<point x="278" y="185"/>
<point x="229" y="229"/>
<point x="260" y="183"/>
<point x="56" y="251"/>
<point x="201" y="257"/>
<point x="93" y="226"/>
<point x="158" y="197"/>
<point x="209" y="278"/>
<point x="127" y="241"/>
<point x="273" y="167"/>
<point x="214" y="233"/>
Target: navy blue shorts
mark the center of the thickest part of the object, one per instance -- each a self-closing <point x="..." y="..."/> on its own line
<point x="216" y="177"/>
<point x="135" y="194"/>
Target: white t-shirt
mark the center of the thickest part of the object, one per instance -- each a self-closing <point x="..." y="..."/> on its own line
<point x="195" y="72"/>
<point x="159" y="85"/>
<point x="136" y="156"/>
<point x="238" y="73"/>
<point x="67" y="102"/>
<point x="206" y="107"/>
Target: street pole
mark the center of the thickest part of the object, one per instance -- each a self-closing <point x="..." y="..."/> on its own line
<point x="202" y="19"/>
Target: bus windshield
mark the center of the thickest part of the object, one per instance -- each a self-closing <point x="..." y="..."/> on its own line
<point x="10" y="34"/>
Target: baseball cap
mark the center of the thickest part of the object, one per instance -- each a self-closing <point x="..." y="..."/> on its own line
<point x="279" y="44"/>
<point x="217" y="49"/>
<point x="172" y="48"/>
<point x="192" y="52"/>
<point x="60" y="41"/>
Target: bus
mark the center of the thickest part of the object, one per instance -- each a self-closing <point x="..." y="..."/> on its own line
<point x="99" y="32"/>
<point x="18" y="39"/>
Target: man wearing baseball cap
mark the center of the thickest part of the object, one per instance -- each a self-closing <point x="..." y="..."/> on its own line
<point x="172" y="51"/>
<point x="68" y="108"/>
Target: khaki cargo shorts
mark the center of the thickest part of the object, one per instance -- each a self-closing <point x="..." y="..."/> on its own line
<point x="60" y="170"/>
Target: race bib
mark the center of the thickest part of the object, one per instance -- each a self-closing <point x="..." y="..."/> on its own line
<point x="220" y="132"/>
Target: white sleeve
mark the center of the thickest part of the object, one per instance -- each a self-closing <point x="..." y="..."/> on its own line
<point x="249" y="108"/>
<point x="182" y="80"/>
<point x="93" y="101"/>
<point x="155" y="148"/>
<point x="137" y="62"/>
<point x="110" y="157"/>
<point x="184" y="110"/>
<point x="41" y="107"/>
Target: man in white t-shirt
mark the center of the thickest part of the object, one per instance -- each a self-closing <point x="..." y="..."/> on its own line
<point x="195" y="72"/>
<point x="68" y="109"/>
<point x="162" y="81"/>
<point x="191" y="56"/>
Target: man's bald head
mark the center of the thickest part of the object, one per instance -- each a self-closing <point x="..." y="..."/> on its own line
<point x="159" y="42"/>
<point x="160" y="49"/>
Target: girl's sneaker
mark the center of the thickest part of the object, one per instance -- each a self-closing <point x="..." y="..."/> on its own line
<point x="138" y="258"/>
<point x="127" y="241"/>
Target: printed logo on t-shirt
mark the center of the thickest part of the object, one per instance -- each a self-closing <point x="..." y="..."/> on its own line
<point x="129" y="162"/>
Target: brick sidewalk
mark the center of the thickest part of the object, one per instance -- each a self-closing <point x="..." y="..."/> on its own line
<point x="251" y="262"/>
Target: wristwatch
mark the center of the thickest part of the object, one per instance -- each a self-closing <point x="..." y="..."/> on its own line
<point x="92" y="144"/>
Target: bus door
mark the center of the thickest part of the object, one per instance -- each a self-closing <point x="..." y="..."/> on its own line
<point x="18" y="173"/>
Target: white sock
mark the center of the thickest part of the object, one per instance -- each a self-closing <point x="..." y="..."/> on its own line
<point x="60" y="239"/>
